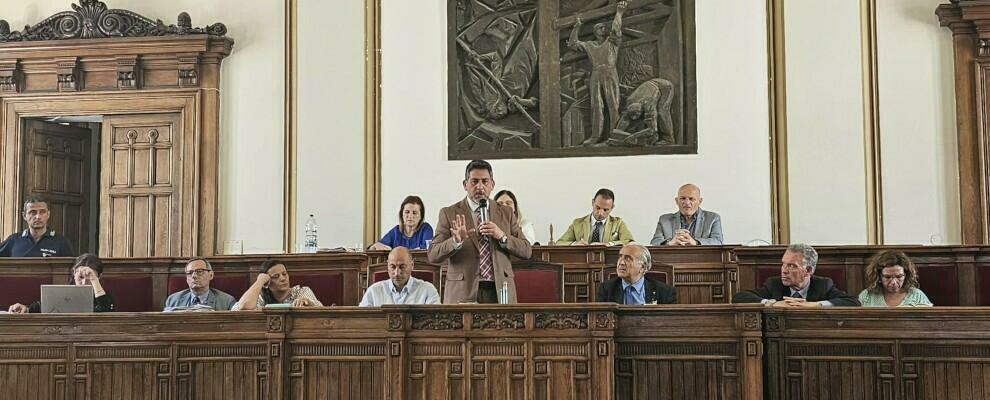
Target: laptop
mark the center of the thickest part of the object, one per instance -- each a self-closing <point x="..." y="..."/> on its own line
<point x="66" y="299"/>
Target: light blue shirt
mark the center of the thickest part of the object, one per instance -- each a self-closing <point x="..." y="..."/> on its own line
<point x="399" y="296"/>
<point x="416" y="291"/>
<point x="637" y="294"/>
<point x="803" y="292"/>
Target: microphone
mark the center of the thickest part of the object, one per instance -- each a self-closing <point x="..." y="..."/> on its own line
<point x="483" y="210"/>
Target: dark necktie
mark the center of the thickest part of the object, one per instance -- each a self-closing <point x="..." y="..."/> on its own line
<point x="797" y="295"/>
<point x="196" y="301"/>
<point x="596" y="236"/>
<point x="485" y="252"/>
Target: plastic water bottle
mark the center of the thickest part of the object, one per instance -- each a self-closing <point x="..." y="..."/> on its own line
<point x="312" y="235"/>
<point x="503" y="295"/>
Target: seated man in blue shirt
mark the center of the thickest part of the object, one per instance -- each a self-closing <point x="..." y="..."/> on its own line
<point x="199" y="273"/>
<point x="400" y="287"/>
<point x="36" y="240"/>
<point x="632" y="286"/>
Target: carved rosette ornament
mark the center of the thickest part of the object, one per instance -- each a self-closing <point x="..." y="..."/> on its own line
<point x="562" y="320"/>
<point x="604" y="320"/>
<point x="92" y="19"/>
<point x="498" y="321"/>
<point x="275" y="323"/>
<point x="394" y="322"/>
<point x="437" y="321"/>
<point x="751" y="321"/>
<point x="775" y="322"/>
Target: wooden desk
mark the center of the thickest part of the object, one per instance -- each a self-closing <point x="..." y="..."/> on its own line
<point x="596" y="352"/>
<point x="868" y="353"/>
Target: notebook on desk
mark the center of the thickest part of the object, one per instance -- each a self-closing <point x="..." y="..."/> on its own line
<point x="66" y="299"/>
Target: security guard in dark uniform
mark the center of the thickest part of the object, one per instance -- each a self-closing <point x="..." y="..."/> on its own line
<point x="36" y="240"/>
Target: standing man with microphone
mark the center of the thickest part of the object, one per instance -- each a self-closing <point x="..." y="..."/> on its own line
<point x="475" y="238"/>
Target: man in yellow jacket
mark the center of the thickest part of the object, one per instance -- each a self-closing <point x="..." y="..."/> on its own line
<point x="598" y="227"/>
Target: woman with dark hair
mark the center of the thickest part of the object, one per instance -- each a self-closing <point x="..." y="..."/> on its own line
<point x="508" y="199"/>
<point x="411" y="232"/>
<point x="893" y="282"/>
<point x="273" y="287"/>
<point x="85" y="271"/>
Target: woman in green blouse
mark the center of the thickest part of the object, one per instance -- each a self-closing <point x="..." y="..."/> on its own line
<point x="893" y="281"/>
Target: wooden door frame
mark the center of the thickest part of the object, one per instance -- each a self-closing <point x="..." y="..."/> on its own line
<point x="200" y="143"/>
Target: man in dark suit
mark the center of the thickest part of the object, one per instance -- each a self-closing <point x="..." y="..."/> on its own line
<point x="632" y="286"/>
<point x="797" y="286"/>
<point x="477" y="253"/>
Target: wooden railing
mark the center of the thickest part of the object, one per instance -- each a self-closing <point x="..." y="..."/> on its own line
<point x="408" y="352"/>
<point x="950" y="275"/>
<point x="546" y="351"/>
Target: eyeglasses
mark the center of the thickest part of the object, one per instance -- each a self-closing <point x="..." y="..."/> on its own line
<point x="197" y="272"/>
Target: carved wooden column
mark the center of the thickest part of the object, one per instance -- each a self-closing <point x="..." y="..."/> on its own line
<point x="278" y="323"/>
<point x="969" y="21"/>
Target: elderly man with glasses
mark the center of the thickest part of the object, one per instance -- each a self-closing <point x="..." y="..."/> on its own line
<point x="200" y="295"/>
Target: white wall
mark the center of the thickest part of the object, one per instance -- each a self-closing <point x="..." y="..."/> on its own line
<point x="251" y="106"/>
<point x="917" y="124"/>
<point x="827" y="182"/>
<point x="732" y="166"/>
<point x="330" y="108"/>
<point x="826" y="155"/>
<point x="824" y="97"/>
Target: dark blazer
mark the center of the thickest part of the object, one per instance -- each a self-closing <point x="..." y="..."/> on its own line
<point x="655" y="292"/>
<point x="821" y="289"/>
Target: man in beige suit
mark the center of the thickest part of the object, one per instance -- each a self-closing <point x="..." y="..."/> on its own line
<point x="476" y="244"/>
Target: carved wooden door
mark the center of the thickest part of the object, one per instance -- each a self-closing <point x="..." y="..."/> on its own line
<point x="57" y="166"/>
<point x="141" y="202"/>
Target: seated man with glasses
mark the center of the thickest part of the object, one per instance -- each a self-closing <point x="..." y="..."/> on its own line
<point x="200" y="295"/>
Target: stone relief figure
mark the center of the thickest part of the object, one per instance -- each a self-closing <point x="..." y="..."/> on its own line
<point x="603" y="83"/>
<point x="528" y="80"/>
<point x="498" y="71"/>
<point x="648" y="103"/>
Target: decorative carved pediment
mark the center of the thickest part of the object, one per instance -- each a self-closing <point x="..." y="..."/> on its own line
<point x="91" y="19"/>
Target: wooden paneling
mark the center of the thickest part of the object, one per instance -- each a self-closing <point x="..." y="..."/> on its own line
<point x="397" y="352"/>
<point x="878" y="353"/>
<point x="144" y="185"/>
<point x="593" y="351"/>
<point x="719" y="359"/>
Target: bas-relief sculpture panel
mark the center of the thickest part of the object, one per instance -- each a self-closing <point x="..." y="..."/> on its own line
<point x="571" y="78"/>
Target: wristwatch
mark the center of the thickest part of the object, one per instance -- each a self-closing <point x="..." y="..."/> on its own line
<point x="504" y="239"/>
